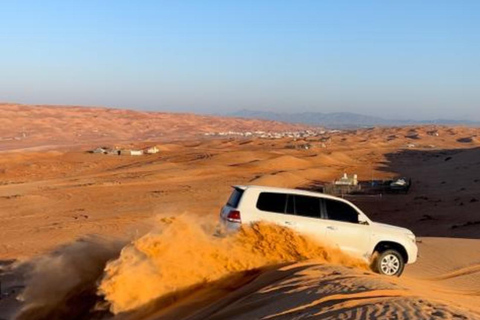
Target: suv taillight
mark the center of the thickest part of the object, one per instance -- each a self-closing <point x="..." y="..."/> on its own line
<point x="234" y="216"/>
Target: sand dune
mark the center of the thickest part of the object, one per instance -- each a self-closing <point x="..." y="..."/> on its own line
<point x="283" y="163"/>
<point x="330" y="292"/>
<point x="251" y="275"/>
<point x="50" y="198"/>
<point x="26" y="126"/>
<point x="324" y="291"/>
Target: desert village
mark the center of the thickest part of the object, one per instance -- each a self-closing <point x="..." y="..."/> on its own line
<point x="272" y="135"/>
<point x="302" y="139"/>
<point x="120" y="151"/>
<point x="295" y="135"/>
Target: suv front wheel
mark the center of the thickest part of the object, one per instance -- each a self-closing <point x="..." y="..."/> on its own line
<point x="389" y="262"/>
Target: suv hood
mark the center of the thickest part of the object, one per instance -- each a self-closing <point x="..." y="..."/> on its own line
<point x="391" y="228"/>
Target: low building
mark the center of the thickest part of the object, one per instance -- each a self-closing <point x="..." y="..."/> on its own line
<point x="345" y="180"/>
<point x="152" y="150"/>
<point x="113" y="152"/>
<point x="99" y="150"/>
<point x="136" y="152"/>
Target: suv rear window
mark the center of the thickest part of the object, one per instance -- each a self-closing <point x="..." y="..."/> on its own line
<point x="273" y="202"/>
<point x="340" y="211"/>
<point x="235" y="198"/>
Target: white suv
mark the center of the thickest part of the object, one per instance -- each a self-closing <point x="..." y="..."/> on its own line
<point x="332" y="220"/>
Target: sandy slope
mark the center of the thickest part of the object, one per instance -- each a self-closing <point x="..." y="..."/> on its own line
<point x="329" y="287"/>
<point x="312" y="291"/>
<point x="51" y="198"/>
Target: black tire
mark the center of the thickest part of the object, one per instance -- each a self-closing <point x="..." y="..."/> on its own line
<point x="389" y="263"/>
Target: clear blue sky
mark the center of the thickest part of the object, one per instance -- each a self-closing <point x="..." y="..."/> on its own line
<point x="406" y="59"/>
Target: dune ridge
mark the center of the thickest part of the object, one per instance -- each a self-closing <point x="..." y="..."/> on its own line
<point x="29" y="126"/>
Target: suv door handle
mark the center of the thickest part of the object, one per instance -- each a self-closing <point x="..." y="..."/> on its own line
<point x="332" y="228"/>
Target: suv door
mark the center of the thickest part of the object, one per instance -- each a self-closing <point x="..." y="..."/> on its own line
<point x="301" y="213"/>
<point x="343" y="229"/>
<point x="306" y="216"/>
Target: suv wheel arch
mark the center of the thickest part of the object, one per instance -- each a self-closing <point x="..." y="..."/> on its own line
<point x="386" y="245"/>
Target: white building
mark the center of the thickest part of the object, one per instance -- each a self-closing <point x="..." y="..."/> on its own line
<point x="136" y="152"/>
<point x="345" y="180"/>
<point x="152" y="150"/>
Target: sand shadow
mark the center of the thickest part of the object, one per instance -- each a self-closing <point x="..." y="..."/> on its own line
<point x="208" y="300"/>
<point x="444" y="199"/>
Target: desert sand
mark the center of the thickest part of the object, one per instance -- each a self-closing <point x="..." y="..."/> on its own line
<point x="66" y="215"/>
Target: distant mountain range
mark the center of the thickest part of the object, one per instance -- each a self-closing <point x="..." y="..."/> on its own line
<point x="341" y="119"/>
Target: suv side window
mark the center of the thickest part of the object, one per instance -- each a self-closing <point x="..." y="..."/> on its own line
<point x="273" y="202"/>
<point x="307" y="206"/>
<point x="340" y="211"/>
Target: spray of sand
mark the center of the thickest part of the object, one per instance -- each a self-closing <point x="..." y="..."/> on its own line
<point x="184" y="252"/>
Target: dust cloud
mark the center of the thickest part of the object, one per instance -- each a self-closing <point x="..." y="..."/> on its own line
<point x="62" y="284"/>
<point x="183" y="252"/>
<point x="96" y="276"/>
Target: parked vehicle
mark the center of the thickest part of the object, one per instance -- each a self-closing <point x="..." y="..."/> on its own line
<point x="334" y="221"/>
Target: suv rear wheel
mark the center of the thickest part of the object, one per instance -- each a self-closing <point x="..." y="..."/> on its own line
<point x="389" y="262"/>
